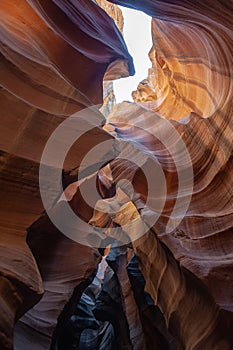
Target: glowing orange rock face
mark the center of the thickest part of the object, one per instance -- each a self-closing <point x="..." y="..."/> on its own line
<point x="190" y="70"/>
<point x="191" y="58"/>
<point x="198" y="243"/>
<point x="190" y="81"/>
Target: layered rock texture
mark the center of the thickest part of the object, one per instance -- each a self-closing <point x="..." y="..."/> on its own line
<point x="53" y="60"/>
<point x="157" y="194"/>
<point x="191" y="58"/>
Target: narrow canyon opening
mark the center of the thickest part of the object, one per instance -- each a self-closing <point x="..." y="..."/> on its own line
<point x="137" y="35"/>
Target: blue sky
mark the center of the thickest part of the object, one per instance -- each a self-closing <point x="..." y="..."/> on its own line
<point x="137" y="35"/>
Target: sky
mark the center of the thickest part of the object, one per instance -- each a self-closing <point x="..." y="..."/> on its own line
<point x="137" y="35"/>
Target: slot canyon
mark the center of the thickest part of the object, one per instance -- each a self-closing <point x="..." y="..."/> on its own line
<point x="116" y="218"/>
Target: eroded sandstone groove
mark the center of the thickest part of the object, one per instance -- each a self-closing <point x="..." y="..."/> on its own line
<point x="170" y="287"/>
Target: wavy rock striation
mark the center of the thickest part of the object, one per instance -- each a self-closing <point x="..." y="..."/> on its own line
<point x="202" y="241"/>
<point x="191" y="57"/>
<point x="179" y="172"/>
<point x="53" y="61"/>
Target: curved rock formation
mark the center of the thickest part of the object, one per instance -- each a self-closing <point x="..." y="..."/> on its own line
<point x="117" y="259"/>
<point x="177" y="173"/>
<point x="202" y="242"/>
<point x="53" y="61"/>
<point x="161" y="267"/>
<point x="191" y="57"/>
<point x="192" y="75"/>
<point x="191" y="78"/>
<point x="152" y="319"/>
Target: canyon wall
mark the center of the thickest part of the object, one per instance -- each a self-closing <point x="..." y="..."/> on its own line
<point x="53" y="61"/>
<point x="159" y="189"/>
